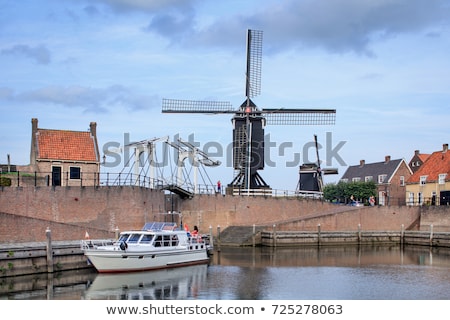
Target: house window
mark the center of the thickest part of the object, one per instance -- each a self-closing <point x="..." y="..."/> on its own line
<point x="420" y="198"/>
<point x="402" y="181"/>
<point x="381" y="198"/>
<point x="75" y="173"/>
<point x="344" y="180"/>
<point x="382" y="178"/>
<point x="442" y="177"/>
<point x="411" y="198"/>
<point x="356" y="179"/>
<point x="423" y="180"/>
<point x="368" y="178"/>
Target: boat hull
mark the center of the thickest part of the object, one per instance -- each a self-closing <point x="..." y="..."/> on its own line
<point x="122" y="261"/>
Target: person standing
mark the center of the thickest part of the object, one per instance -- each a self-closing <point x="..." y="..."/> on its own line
<point x="372" y="201"/>
<point x="219" y="185"/>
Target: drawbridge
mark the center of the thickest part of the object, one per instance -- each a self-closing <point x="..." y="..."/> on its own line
<point x="176" y="166"/>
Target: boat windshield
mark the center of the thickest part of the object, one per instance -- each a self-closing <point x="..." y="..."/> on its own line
<point x="124" y="237"/>
<point x="134" y="238"/>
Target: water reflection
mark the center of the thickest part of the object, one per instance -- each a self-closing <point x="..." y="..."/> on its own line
<point x="352" y="272"/>
<point x="177" y="283"/>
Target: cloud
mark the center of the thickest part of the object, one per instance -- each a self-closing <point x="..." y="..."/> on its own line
<point x="95" y="100"/>
<point x="173" y="24"/>
<point x="351" y="25"/>
<point x="148" y="6"/>
<point x="337" y="26"/>
<point x="6" y="93"/>
<point x="40" y="54"/>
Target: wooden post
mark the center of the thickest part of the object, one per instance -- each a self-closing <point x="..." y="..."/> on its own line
<point x="254" y="235"/>
<point x="431" y="235"/>
<point x="402" y="235"/>
<point x="359" y="233"/>
<point x="49" y="248"/>
<point x="274" y="234"/>
<point x="318" y="234"/>
<point x="218" y="238"/>
<point x="211" y="238"/>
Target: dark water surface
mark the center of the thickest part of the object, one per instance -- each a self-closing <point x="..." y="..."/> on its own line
<point x="347" y="273"/>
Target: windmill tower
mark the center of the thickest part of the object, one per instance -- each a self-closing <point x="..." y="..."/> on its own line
<point x="249" y="122"/>
<point x="311" y="175"/>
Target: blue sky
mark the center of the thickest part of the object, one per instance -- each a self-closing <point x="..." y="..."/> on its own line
<point x="382" y="64"/>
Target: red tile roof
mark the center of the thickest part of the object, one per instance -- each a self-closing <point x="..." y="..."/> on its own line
<point x="438" y="162"/>
<point x="423" y="156"/>
<point x="66" y="145"/>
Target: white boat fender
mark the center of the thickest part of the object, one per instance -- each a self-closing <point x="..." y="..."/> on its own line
<point x="123" y="245"/>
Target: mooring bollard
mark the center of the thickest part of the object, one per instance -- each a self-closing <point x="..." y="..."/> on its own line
<point x="49" y="249"/>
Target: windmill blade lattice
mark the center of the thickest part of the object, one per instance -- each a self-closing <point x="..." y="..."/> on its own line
<point x="254" y="63"/>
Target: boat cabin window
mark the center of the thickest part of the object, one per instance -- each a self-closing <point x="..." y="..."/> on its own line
<point x="134" y="238"/>
<point x="158" y="241"/>
<point x="147" y="238"/>
<point x="166" y="240"/>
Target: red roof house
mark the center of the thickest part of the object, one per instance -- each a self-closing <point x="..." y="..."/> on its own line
<point x="66" y="157"/>
<point x="430" y="184"/>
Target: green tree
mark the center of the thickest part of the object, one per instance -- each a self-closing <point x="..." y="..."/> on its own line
<point x="342" y="191"/>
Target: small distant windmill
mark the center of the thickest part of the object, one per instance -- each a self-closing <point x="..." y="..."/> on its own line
<point x="249" y="121"/>
<point x="311" y="175"/>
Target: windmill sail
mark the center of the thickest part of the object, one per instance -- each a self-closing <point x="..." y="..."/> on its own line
<point x="249" y="121"/>
<point x="254" y="62"/>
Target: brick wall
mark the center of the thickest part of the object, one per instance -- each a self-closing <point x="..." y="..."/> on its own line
<point x="292" y="214"/>
<point x="99" y="210"/>
<point x="69" y="211"/>
<point x="436" y="216"/>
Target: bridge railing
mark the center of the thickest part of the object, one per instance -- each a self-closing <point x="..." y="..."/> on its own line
<point x="88" y="179"/>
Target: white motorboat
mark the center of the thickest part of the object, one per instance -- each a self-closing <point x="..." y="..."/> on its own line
<point x="158" y="245"/>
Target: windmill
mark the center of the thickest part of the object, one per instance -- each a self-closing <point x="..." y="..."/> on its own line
<point x="311" y="175"/>
<point x="249" y="121"/>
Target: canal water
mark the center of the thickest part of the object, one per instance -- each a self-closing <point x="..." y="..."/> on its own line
<point x="331" y="273"/>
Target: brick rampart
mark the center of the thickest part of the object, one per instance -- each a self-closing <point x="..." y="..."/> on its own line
<point x="69" y="211"/>
<point x="28" y="211"/>
<point x="293" y="214"/>
<point x="436" y="216"/>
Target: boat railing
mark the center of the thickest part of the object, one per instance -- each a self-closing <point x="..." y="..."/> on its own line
<point x="204" y="239"/>
<point x="95" y="243"/>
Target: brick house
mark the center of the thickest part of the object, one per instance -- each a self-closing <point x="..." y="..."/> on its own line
<point x="430" y="184"/>
<point x="65" y="157"/>
<point x="390" y="177"/>
<point x="417" y="160"/>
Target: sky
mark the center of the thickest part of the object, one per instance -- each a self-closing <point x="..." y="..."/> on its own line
<point x="382" y="64"/>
